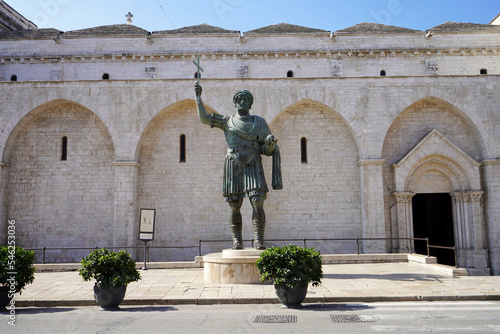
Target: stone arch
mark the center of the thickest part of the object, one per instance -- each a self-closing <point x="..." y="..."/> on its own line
<point x="172" y="108"/>
<point x="18" y="121"/>
<point x="37" y="104"/>
<point x="426" y="109"/>
<point x="55" y="202"/>
<point x="434" y="177"/>
<point x="321" y="106"/>
<point x="321" y="197"/>
<point x="455" y="175"/>
<point x="436" y="151"/>
<point x="187" y="195"/>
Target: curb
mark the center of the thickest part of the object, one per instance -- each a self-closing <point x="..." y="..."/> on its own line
<point x="274" y="300"/>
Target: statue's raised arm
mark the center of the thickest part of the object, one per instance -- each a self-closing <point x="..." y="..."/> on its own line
<point x="202" y="113"/>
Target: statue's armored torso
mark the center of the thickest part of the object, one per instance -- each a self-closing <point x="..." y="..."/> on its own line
<point x="243" y="141"/>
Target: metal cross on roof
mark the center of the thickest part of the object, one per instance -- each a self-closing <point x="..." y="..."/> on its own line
<point x="129" y="17"/>
<point x="199" y="67"/>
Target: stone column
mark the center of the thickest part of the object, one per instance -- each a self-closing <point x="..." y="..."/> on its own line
<point x="463" y="227"/>
<point x="405" y="219"/>
<point x="479" y="253"/>
<point x="458" y="210"/>
<point x="490" y="174"/>
<point x="477" y="219"/>
<point x="4" y="192"/>
<point x="126" y="226"/>
<point x="372" y="205"/>
<point x="470" y="230"/>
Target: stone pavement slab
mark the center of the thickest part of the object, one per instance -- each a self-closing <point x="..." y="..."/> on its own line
<point x="365" y="282"/>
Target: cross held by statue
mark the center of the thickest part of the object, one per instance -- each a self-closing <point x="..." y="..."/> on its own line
<point x="199" y="68"/>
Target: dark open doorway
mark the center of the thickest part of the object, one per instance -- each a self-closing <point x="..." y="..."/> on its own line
<point x="433" y="218"/>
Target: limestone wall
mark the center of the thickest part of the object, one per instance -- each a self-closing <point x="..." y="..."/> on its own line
<point x="126" y="156"/>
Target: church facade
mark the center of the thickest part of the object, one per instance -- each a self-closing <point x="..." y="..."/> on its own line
<point x="384" y="132"/>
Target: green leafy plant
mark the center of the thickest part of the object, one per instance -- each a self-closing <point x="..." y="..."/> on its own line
<point x="109" y="268"/>
<point x="16" y="267"/>
<point x="290" y="265"/>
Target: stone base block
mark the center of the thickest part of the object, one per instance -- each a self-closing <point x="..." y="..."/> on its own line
<point x="232" y="266"/>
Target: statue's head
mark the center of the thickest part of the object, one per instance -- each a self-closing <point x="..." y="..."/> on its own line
<point x="246" y="93"/>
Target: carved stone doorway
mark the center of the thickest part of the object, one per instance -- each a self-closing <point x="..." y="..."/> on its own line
<point x="433" y="218"/>
<point x="437" y="166"/>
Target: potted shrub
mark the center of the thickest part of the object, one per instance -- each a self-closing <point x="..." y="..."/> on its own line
<point x="112" y="272"/>
<point x="291" y="268"/>
<point x="16" y="271"/>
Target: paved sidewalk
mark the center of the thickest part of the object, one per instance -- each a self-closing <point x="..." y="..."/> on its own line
<point x="367" y="282"/>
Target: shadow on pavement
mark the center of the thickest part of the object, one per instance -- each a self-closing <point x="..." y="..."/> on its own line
<point x="334" y="307"/>
<point x="158" y="308"/>
<point x="390" y="277"/>
<point x="38" y="310"/>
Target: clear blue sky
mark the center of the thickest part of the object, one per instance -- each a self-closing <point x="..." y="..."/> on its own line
<point x="245" y="15"/>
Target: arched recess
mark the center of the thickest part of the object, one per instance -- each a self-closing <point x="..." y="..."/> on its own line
<point x="414" y="123"/>
<point x="434" y="176"/>
<point x="321" y="198"/>
<point x="39" y="103"/>
<point x="429" y="112"/>
<point x="188" y="107"/>
<point x="436" y="165"/>
<point x="187" y="195"/>
<point x="56" y="202"/>
<point x="319" y="106"/>
<point x="421" y="117"/>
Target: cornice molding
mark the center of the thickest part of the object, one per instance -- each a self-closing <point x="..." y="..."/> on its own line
<point x="265" y="54"/>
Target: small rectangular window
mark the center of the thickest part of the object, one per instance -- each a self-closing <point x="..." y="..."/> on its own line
<point x="303" y="150"/>
<point x="182" y="148"/>
<point x="64" y="148"/>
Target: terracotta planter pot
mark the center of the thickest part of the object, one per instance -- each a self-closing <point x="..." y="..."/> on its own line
<point x="110" y="297"/>
<point x="291" y="297"/>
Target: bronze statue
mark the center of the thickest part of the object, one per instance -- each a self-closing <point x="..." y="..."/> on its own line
<point x="247" y="136"/>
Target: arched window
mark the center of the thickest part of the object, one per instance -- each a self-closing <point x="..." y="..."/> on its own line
<point x="13" y="77"/>
<point x="382" y="73"/>
<point x="64" y="148"/>
<point x="105" y="76"/>
<point x="196" y="75"/>
<point x="182" y="148"/>
<point x="303" y="150"/>
<point x="483" y="71"/>
<point x="289" y="74"/>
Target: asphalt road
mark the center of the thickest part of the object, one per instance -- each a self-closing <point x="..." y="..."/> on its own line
<point x="394" y="317"/>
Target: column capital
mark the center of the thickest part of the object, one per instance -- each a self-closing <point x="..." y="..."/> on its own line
<point x="403" y="197"/>
<point x="458" y="194"/>
<point x="475" y="196"/>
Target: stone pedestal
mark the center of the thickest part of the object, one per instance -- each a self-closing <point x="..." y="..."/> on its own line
<point x="232" y="266"/>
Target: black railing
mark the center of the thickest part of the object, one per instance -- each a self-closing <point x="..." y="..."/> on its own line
<point x="303" y="241"/>
<point x="454" y="248"/>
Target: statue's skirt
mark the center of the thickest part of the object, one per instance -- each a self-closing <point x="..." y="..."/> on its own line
<point x="242" y="181"/>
